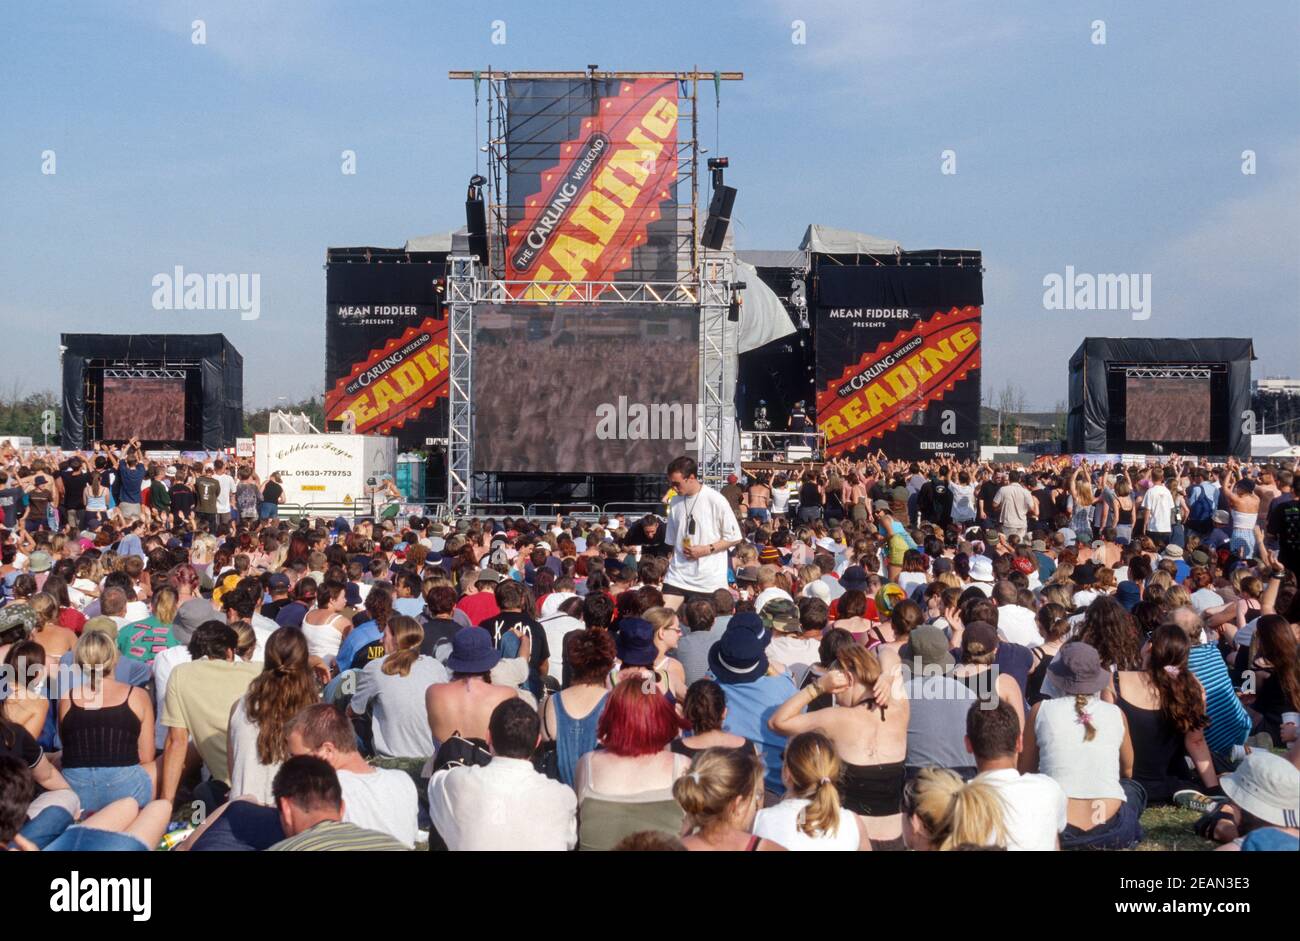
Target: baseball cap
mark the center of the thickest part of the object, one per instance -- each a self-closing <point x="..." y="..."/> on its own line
<point x="980" y="637"/>
<point x="929" y="644"/>
<point x="780" y="615"/>
<point x="278" y="582"/>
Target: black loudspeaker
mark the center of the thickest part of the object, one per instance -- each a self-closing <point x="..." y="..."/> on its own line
<point x="476" y="223"/>
<point x="719" y="219"/>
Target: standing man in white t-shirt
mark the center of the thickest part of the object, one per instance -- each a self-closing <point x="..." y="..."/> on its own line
<point x="226" y="485"/>
<point x="1158" y="507"/>
<point x="701" y="528"/>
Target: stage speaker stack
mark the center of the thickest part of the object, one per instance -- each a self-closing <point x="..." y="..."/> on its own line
<point x="476" y="223"/>
<point x="719" y="218"/>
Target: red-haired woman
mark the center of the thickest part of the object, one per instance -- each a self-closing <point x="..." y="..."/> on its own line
<point x="627" y="786"/>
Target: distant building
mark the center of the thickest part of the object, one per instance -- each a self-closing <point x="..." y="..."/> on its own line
<point x="1276" y="386"/>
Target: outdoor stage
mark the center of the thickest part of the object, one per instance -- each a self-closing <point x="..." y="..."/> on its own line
<point x="646" y="336"/>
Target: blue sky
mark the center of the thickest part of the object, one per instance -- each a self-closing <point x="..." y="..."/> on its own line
<point x="225" y="157"/>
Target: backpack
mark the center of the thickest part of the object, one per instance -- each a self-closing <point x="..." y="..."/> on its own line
<point x="456" y="752"/>
<point x="1202" y="507"/>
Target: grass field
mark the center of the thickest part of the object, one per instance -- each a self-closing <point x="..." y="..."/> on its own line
<point x="1170" y="829"/>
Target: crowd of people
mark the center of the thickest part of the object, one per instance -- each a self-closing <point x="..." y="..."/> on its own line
<point x="864" y="655"/>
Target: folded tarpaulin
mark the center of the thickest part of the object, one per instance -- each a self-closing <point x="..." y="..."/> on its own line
<point x="824" y="240"/>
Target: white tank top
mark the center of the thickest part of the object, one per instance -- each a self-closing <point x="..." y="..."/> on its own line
<point x="1088" y="770"/>
<point x="323" y="640"/>
<point x="780" y="499"/>
<point x="1243" y="520"/>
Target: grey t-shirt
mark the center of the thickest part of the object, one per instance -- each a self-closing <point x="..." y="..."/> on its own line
<point x="936" y="724"/>
<point x="693" y="649"/>
<point x="401" y="721"/>
<point x="1015" y="503"/>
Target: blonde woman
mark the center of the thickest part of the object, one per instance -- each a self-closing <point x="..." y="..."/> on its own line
<point x="1081" y="501"/>
<point x="869" y="735"/>
<point x="396" y="684"/>
<point x="85" y="583"/>
<point x="51" y="635"/>
<point x="107" y="728"/>
<point x="810" y="817"/>
<point x="721" y="795"/>
<point x="667" y="634"/>
<point x="944" y="813"/>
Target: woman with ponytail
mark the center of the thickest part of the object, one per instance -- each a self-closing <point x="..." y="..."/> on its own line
<point x="396" y="684"/>
<point x="1164" y="706"/>
<point x="1083" y="743"/>
<point x="811" y="817"/>
<point x="107" y="728"/>
<point x="941" y="812"/>
<point x="721" y="794"/>
<point x="257" y="744"/>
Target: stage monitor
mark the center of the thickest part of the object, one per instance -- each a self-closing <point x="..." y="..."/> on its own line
<point x="143" y="407"/>
<point x="592" y="389"/>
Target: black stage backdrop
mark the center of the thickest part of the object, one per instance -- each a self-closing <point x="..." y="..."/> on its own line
<point x="594" y="389"/>
<point x="898" y="359"/>
<point x="1103" y="370"/>
<point x="386" y="342"/>
<point x="591" y="180"/>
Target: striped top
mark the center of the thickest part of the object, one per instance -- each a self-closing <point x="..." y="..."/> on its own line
<point x="1229" y="723"/>
<point x="331" y="835"/>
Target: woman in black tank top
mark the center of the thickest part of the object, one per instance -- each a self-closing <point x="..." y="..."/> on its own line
<point x="107" y="729"/>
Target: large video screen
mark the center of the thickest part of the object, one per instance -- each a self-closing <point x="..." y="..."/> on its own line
<point x="608" y="389"/>
<point x="1173" y="409"/>
<point x="150" y="409"/>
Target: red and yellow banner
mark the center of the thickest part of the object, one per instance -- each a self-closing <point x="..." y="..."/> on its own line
<point x="897" y="379"/>
<point x="395" y="383"/>
<point x="594" y="206"/>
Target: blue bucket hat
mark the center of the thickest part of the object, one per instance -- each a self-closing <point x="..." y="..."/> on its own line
<point x="740" y="657"/>
<point x="635" y="642"/>
<point x="1128" y="594"/>
<point x="472" y="651"/>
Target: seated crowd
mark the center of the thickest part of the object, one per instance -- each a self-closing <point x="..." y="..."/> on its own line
<point x="932" y="656"/>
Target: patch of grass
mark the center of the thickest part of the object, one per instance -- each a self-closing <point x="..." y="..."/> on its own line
<point x="1169" y="829"/>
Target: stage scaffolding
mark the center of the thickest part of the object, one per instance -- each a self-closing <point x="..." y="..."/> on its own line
<point x="706" y="279"/>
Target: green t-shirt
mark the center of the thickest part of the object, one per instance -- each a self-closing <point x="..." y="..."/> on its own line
<point x="144" y="640"/>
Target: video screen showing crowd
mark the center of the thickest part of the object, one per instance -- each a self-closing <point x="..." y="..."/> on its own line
<point x="856" y="655"/>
